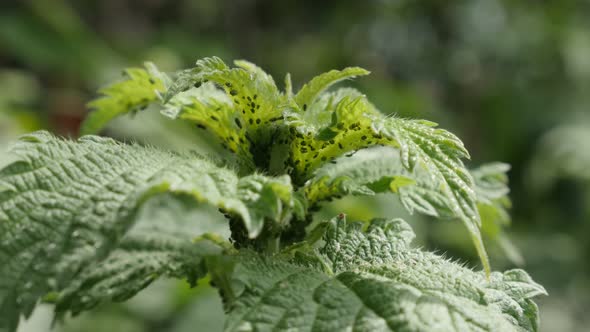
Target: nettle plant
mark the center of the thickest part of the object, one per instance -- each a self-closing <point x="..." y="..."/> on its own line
<point x="70" y="232"/>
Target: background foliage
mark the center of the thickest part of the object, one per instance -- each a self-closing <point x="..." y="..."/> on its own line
<point x="510" y="79"/>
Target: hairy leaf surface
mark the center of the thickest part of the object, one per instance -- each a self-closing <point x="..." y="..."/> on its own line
<point x="162" y="243"/>
<point x="373" y="280"/>
<point x="66" y="204"/>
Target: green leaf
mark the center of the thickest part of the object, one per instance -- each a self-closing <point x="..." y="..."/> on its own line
<point x="211" y="110"/>
<point x="140" y="88"/>
<point x="162" y="243"/>
<point x="253" y="92"/>
<point x="142" y="257"/>
<point x="372" y="280"/>
<point x="66" y="204"/>
<point x="491" y="187"/>
<point x="185" y="79"/>
<point x="330" y="130"/>
<point x="491" y="181"/>
<point x="308" y="93"/>
<point x="356" y="124"/>
<point x="378" y="170"/>
<point x="248" y="123"/>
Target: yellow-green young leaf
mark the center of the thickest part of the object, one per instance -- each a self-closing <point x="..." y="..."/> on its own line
<point x="248" y="126"/>
<point x="373" y="280"/>
<point x="308" y="93"/>
<point x="253" y="92"/>
<point x="140" y="88"/>
<point x="340" y="124"/>
<point x="66" y="204"/>
<point x="210" y="109"/>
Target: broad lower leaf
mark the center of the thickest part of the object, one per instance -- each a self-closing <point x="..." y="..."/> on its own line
<point x="140" y="88"/>
<point x="66" y="204"/>
<point x="355" y="280"/>
<point x="162" y="243"/>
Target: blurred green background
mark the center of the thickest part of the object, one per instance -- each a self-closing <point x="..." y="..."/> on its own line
<point x="511" y="78"/>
